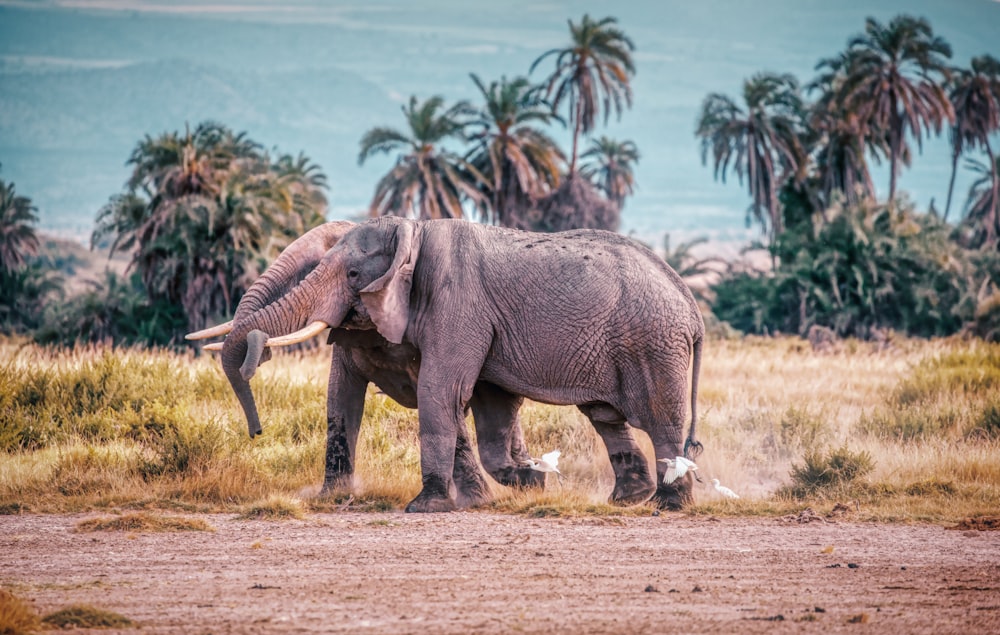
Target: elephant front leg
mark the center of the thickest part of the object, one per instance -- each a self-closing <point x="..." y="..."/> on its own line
<point x="344" y="408"/>
<point x="443" y="390"/>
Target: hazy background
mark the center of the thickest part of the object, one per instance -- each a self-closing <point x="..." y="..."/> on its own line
<point x="82" y="81"/>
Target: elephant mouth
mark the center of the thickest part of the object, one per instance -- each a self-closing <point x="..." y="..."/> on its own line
<point x="357" y="320"/>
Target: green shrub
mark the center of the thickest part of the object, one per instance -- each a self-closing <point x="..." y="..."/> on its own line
<point x="953" y="392"/>
<point x="826" y="472"/>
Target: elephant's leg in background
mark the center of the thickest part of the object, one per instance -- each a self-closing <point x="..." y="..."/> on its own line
<point x="345" y="405"/>
<point x="633" y="482"/>
<point x="501" y="441"/>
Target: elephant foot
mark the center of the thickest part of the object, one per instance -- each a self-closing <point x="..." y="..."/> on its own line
<point x="433" y="498"/>
<point x="633" y="484"/>
<point x="632" y="488"/>
<point x="472" y="498"/>
<point x="430" y="504"/>
<point x="520" y="477"/>
<point x="472" y="491"/>
<point x="673" y="497"/>
<point x="337" y="485"/>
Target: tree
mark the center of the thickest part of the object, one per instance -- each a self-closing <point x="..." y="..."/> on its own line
<point x="980" y="226"/>
<point x="838" y="139"/>
<point x="18" y="240"/>
<point x="609" y="166"/>
<point x="593" y="74"/>
<point x="427" y="181"/>
<point x="204" y="212"/>
<point x="893" y="80"/>
<point x="864" y="268"/>
<point x="761" y="140"/>
<point x="975" y="96"/>
<point x="517" y="161"/>
<point x="25" y="284"/>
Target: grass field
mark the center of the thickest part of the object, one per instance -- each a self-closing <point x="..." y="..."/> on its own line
<point x="908" y="432"/>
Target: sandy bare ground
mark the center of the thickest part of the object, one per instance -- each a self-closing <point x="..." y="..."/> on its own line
<point x="471" y="572"/>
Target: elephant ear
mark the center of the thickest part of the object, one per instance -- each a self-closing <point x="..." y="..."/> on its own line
<point x="388" y="298"/>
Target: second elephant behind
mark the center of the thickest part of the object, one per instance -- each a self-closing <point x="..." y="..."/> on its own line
<point x="360" y="357"/>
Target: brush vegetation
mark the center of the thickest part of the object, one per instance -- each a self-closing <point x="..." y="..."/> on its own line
<point x="16" y="616"/>
<point x="86" y="616"/>
<point x="909" y="432"/>
<point x="143" y="522"/>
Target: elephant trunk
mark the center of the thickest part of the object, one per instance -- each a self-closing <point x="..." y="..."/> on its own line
<point x="244" y="348"/>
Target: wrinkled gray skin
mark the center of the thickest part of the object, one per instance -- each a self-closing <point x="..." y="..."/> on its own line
<point x="363" y="356"/>
<point x="586" y="318"/>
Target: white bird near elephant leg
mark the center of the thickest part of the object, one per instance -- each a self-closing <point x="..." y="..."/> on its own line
<point x="677" y="468"/>
<point x="548" y="463"/>
<point x="722" y="489"/>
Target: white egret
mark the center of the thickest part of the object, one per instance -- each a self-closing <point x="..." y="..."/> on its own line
<point x="722" y="489"/>
<point x="677" y="468"/>
<point x="548" y="463"/>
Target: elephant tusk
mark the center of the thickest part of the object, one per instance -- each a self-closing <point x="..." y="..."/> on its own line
<point x="216" y="346"/>
<point x="301" y="335"/>
<point x="215" y="331"/>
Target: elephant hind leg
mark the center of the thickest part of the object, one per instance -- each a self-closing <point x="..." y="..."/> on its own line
<point x="633" y="482"/>
<point x="663" y="419"/>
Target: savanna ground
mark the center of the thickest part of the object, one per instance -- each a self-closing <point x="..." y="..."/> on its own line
<point x="128" y="484"/>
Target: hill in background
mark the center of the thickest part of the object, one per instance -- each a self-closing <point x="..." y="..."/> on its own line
<point x="80" y="87"/>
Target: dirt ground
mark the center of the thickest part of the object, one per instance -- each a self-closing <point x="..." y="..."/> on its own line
<point x="473" y="572"/>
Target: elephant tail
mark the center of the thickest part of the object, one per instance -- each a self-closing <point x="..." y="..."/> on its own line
<point x="693" y="447"/>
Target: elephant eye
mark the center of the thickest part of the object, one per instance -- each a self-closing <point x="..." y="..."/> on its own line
<point x="353" y="273"/>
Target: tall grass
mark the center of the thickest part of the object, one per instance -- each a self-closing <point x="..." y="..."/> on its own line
<point x="93" y="428"/>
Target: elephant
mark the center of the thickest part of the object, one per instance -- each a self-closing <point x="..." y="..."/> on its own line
<point x="362" y="356"/>
<point x="585" y="317"/>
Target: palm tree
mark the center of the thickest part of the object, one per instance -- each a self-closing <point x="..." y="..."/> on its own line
<point x="610" y="167"/>
<point x="518" y="161"/>
<point x="427" y="181"/>
<point x="975" y="96"/>
<point x="592" y="74"/>
<point x="981" y="222"/>
<point x="205" y="212"/>
<point x="761" y="140"/>
<point x="838" y="139"/>
<point x="893" y="80"/>
<point x="17" y="232"/>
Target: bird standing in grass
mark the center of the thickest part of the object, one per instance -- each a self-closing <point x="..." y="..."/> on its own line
<point x="677" y="468"/>
<point x="722" y="489"/>
<point x="548" y="463"/>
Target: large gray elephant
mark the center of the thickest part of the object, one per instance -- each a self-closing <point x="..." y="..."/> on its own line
<point x="362" y="356"/>
<point x="586" y="318"/>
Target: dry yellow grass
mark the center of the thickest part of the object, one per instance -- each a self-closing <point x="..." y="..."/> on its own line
<point x="86" y="616"/>
<point x="16" y="616"/>
<point x="158" y="430"/>
<point x="275" y="507"/>
<point x="143" y="522"/>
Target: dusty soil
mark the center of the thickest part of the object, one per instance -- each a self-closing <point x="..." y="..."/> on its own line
<point x="472" y="572"/>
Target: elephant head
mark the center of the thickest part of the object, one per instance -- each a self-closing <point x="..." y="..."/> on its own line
<point x="287" y="271"/>
<point x="362" y="282"/>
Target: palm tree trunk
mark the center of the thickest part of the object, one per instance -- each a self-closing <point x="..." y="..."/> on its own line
<point x="994" y="203"/>
<point x="951" y="184"/>
<point x="576" y="136"/>
<point x="893" y="158"/>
